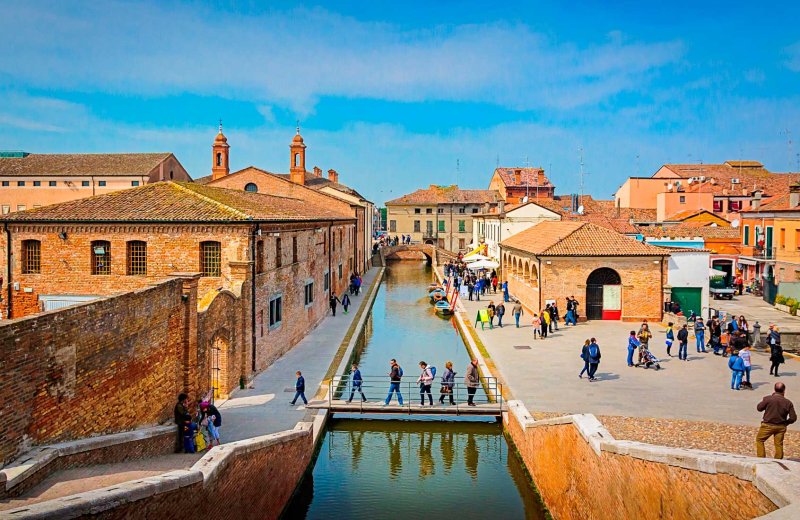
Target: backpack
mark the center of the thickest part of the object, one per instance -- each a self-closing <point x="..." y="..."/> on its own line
<point x="399" y="370"/>
<point x="433" y="372"/>
<point x="594" y="352"/>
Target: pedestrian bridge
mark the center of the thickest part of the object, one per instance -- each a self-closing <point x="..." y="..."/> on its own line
<point x="487" y="400"/>
<point x="435" y="255"/>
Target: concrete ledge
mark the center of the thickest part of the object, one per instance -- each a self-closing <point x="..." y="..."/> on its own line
<point x="779" y="481"/>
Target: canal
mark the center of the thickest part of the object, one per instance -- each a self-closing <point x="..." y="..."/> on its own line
<point x="372" y="467"/>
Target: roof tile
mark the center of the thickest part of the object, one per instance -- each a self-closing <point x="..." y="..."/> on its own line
<point x="81" y="164"/>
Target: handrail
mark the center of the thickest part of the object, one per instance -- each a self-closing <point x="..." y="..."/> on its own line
<point x="488" y="391"/>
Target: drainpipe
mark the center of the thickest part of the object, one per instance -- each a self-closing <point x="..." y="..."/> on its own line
<point x="540" y="282"/>
<point x="253" y="292"/>
<point x="330" y="256"/>
<point x="8" y="268"/>
<point x="662" y="291"/>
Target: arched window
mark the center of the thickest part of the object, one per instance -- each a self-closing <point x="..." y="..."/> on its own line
<point x="210" y="258"/>
<point x="31" y="257"/>
<point x="219" y="159"/>
<point x="101" y="257"/>
<point x="297" y="159"/>
<point x="171" y="174"/>
<point x="137" y="258"/>
<point x="251" y="187"/>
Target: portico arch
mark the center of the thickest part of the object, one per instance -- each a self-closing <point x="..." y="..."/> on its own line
<point x="603" y="295"/>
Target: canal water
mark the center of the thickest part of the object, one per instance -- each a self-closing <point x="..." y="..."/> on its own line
<point x="372" y="467"/>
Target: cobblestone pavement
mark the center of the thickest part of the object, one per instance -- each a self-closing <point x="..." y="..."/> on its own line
<point x="756" y="309"/>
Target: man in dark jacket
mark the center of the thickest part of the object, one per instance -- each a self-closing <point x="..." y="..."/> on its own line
<point x="683" y="342"/>
<point x="594" y="358"/>
<point x="395" y="376"/>
<point x="300" y="388"/>
<point x="333" y="301"/>
<point x="182" y="419"/>
<point x="778" y="414"/>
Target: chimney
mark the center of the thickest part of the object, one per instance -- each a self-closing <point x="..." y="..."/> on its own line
<point x="501" y="206"/>
<point x="333" y="176"/>
<point x="794" y="195"/>
<point x="517" y="177"/>
<point x="487" y="207"/>
<point x="317" y="171"/>
<point x="540" y="178"/>
<point x="755" y="203"/>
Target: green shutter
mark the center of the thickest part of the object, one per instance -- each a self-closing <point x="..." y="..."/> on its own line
<point x="441" y="225"/>
<point x="747" y="235"/>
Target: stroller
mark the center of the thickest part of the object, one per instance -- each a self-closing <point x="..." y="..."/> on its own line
<point x="649" y="360"/>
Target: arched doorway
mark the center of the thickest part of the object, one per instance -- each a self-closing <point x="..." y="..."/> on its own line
<point x="603" y="295"/>
<point x="219" y="366"/>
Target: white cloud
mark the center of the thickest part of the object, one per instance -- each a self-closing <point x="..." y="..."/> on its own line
<point x="295" y="57"/>
<point x="266" y="112"/>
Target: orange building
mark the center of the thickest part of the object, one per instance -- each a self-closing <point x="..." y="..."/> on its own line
<point x="520" y="185"/>
<point x="32" y="180"/>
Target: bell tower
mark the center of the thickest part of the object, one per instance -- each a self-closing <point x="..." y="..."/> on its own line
<point x="297" y="169"/>
<point x="220" y="167"/>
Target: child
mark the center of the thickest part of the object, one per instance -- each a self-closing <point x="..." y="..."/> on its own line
<point x="346" y="302"/>
<point x="670" y="338"/>
<point x="188" y="437"/>
<point x="300" y="388"/>
<point x="633" y="344"/>
<point x="536" y="326"/>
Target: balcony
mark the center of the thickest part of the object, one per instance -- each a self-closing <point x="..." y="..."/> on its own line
<point x="759" y="253"/>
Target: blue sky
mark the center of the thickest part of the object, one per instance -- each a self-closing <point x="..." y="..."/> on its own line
<point x="394" y="95"/>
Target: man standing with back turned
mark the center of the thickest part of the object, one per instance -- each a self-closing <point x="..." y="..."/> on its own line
<point x="778" y="414"/>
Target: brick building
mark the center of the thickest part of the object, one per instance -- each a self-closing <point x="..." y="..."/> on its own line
<point x="441" y="215"/>
<point x="612" y="276"/>
<point x="520" y="185"/>
<point x="284" y="251"/>
<point x="299" y="183"/>
<point x="32" y="180"/>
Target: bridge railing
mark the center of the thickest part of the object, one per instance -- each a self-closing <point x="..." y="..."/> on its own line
<point x="375" y="388"/>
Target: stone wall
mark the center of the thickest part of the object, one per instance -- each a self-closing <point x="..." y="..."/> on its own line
<point x="101" y="367"/>
<point x="581" y="471"/>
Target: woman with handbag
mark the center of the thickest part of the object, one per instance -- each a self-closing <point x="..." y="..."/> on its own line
<point x="448" y="382"/>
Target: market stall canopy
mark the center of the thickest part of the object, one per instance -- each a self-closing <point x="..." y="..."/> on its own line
<point x="475" y="258"/>
<point x="484" y="264"/>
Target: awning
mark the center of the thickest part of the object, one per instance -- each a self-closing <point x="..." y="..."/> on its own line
<point x="746" y="261"/>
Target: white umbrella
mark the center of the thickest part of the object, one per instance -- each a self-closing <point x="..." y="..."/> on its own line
<point x="475" y="258"/>
<point x="484" y="264"/>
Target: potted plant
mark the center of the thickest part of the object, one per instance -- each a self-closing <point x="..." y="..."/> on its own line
<point x="781" y="303"/>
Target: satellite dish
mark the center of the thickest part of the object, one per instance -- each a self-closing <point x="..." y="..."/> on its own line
<point x="580" y="210"/>
<point x="735" y="224"/>
<point x="525" y="199"/>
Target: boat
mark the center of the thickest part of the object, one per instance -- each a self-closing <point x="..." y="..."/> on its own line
<point x="438" y="295"/>
<point x="434" y="286"/>
<point x="442" y="307"/>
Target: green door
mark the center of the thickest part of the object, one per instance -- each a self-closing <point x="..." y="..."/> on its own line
<point x="768" y="243"/>
<point x="689" y="298"/>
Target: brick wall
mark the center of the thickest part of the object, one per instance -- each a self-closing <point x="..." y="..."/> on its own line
<point x="575" y="482"/>
<point x="102" y="367"/>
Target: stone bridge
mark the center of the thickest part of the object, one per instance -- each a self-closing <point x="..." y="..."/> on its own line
<point x="434" y="255"/>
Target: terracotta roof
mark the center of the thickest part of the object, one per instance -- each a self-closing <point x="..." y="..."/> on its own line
<point x="689" y="213"/>
<point x="569" y="238"/>
<point x="683" y="231"/>
<point x="751" y="176"/>
<point x="446" y="194"/>
<point x="777" y="203"/>
<point x="81" y="164"/>
<point x="179" y="202"/>
<point x="528" y="177"/>
<point x="609" y="208"/>
<point x="317" y="183"/>
<point x="597" y="212"/>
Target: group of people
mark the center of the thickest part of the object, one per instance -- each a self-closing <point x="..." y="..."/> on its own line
<point x="198" y="426"/>
<point x="354" y="289"/>
<point x="474" y="284"/>
<point x="425" y="382"/>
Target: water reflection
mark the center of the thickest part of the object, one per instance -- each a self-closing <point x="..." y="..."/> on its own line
<point x="395" y="457"/>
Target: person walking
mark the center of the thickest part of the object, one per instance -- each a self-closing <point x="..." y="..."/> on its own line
<point x="395" y="376"/>
<point x="448" y="383"/>
<point x="633" y="345"/>
<point x="537" y="326"/>
<point x="736" y="365"/>
<point x="494" y="283"/>
<point x="500" y="310"/>
<point x="700" y="335"/>
<point x="182" y="420"/>
<point x="778" y="414"/>
<point x="356" y="383"/>
<point x="470" y="289"/>
<point x="553" y="316"/>
<point x="644" y="340"/>
<point x="585" y="358"/>
<point x="670" y="338"/>
<point x="299" y="388"/>
<point x="490" y="310"/>
<point x="546" y="321"/>
<point x="683" y="342"/>
<point x="570" y="317"/>
<point x="472" y="380"/>
<point x="594" y="359"/>
<point x="516" y="310"/>
<point x="748" y="364"/>
<point x="332" y="301"/>
<point x="346" y="301"/>
<point x="505" y="291"/>
<point x="425" y="380"/>
<point x="775" y="350"/>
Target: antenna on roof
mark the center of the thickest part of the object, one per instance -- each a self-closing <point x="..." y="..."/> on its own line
<point x="528" y="181"/>
<point x="582" y="173"/>
<point x="458" y="167"/>
<point x="220" y="125"/>
<point x="788" y="148"/>
<point x="298" y="126"/>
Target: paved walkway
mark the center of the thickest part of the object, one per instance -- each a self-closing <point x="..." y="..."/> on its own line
<point x="545" y="376"/>
<point x="755" y="309"/>
<point x="265" y="408"/>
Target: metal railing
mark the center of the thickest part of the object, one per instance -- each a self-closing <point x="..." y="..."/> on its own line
<point x="375" y="390"/>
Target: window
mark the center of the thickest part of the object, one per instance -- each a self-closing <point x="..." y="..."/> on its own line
<point x="101" y="257"/>
<point x="20" y="183"/>
<point x="31" y="257"/>
<point x="717" y="206"/>
<point x="324" y="244"/>
<point x="441" y="225"/>
<point x="462" y="210"/>
<point x="341" y="240"/>
<point x="219" y="159"/>
<point x="309" y="293"/>
<point x="734" y="205"/>
<point x="210" y="258"/>
<point x="429" y="227"/>
<point x="474" y="210"/>
<point x="682" y="199"/>
<point x="340" y="270"/>
<point x="416" y="226"/>
<point x="251" y="187"/>
<point x="428" y="210"/>
<point x="746" y="235"/>
<point x="440" y="210"/>
<point x="417" y="211"/>
<point x="294" y="250"/>
<point x="171" y="174"/>
<point x="797" y="239"/>
<point x="275" y="311"/>
<point x="462" y="226"/>
<point x="278" y="253"/>
<point x="461" y="243"/>
<point x="52" y="184"/>
<point x="137" y="258"/>
<point x="326" y="281"/>
<point x="393" y="226"/>
<point x="260" y="256"/>
<point x="21" y="207"/>
<point x="5" y="183"/>
<point x="101" y="183"/>
<point x="84" y="183"/>
<point x="134" y="183"/>
<point x="37" y="183"/>
<point x="782" y="238"/>
<point x="6" y="209"/>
